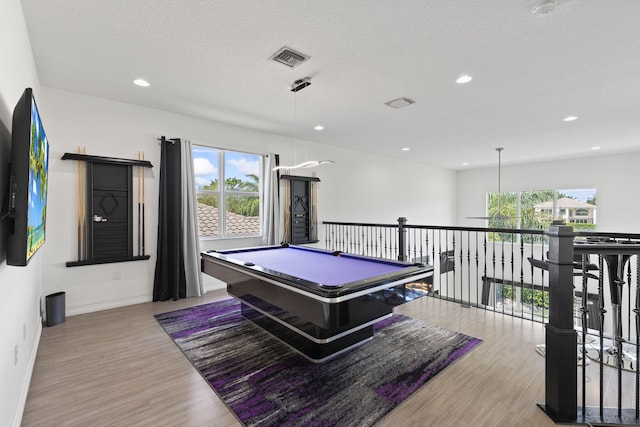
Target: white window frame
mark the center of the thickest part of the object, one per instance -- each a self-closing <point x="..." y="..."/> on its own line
<point x="222" y="194"/>
<point x="556" y="212"/>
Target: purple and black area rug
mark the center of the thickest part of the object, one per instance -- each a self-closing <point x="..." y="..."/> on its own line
<point x="265" y="383"/>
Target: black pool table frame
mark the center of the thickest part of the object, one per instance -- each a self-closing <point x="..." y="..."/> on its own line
<point x="318" y="322"/>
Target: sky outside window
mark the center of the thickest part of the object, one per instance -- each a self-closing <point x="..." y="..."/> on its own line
<point x="583" y="194"/>
<point x="205" y="165"/>
<point x="237" y="165"/>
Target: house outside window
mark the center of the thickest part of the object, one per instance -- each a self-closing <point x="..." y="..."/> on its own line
<point x="571" y="209"/>
<point x="231" y="209"/>
<point x="535" y="210"/>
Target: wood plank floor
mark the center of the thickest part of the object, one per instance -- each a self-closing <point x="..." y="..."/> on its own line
<point x="119" y="368"/>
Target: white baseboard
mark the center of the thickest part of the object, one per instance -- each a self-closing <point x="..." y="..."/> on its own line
<point x="24" y="392"/>
<point x="106" y="305"/>
<point x="139" y="299"/>
<point x="214" y="286"/>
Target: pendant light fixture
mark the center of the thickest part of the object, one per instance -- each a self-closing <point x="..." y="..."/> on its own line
<point x="297" y="86"/>
<point x="499" y="216"/>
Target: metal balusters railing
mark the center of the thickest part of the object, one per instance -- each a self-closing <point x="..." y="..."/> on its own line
<point x="524" y="286"/>
<point x="470" y="263"/>
<point x="485" y="268"/>
<point x="615" y="360"/>
<point x="468" y="276"/>
<point x="602" y="312"/>
<point x="583" y="342"/>
<point x="629" y="303"/>
<point x="376" y="240"/>
<point x="636" y="310"/>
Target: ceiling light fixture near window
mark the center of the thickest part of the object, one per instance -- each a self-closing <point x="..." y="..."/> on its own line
<point x="141" y="82"/>
<point x="464" y="79"/>
<point x="570" y="118"/>
<point x="304" y="165"/>
<point x="595" y="148"/>
<point x="295" y="88"/>
<point x="406" y="149"/>
<point x="544" y="7"/>
<point x="300" y="84"/>
<point x="400" y="102"/>
<point x="499" y="215"/>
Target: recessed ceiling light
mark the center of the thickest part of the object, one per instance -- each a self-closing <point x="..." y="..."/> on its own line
<point x="406" y="149"/>
<point x="400" y="102"/>
<point x="465" y="164"/>
<point x="319" y="127"/>
<point x="595" y="148"/>
<point x="141" y="82"/>
<point x="570" y="118"/>
<point x="464" y="79"/>
<point x="544" y="7"/>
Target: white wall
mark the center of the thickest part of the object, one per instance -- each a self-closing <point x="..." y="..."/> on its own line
<point x="20" y="287"/>
<point x="358" y="187"/>
<point x="366" y="188"/>
<point x="614" y="177"/>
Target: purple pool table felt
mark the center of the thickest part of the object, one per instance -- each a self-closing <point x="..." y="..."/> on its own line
<point x="318" y="267"/>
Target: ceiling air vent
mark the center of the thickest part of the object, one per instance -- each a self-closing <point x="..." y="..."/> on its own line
<point x="289" y="57"/>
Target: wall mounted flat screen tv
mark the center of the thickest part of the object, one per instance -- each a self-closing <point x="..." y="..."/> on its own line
<point x="27" y="182"/>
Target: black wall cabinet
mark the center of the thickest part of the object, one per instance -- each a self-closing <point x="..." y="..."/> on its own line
<point x="300" y="217"/>
<point x="107" y="213"/>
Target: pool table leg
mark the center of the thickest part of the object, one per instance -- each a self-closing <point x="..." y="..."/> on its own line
<point x="314" y="349"/>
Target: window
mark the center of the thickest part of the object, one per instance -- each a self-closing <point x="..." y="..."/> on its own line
<point x="534" y="210"/>
<point x="238" y="199"/>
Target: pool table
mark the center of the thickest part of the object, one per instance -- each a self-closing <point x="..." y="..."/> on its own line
<point x="319" y="302"/>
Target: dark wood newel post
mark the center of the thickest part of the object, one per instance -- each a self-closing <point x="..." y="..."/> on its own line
<point x="561" y="338"/>
<point x="402" y="250"/>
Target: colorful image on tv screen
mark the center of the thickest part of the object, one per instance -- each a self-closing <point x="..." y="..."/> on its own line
<point x="38" y="166"/>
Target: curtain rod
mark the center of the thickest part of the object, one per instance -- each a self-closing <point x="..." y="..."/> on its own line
<point x="229" y="149"/>
<point x="173" y="141"/>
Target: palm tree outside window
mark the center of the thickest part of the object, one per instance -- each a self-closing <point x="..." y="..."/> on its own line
<point x="535" y="210"/>
<point x="231" y="209"/>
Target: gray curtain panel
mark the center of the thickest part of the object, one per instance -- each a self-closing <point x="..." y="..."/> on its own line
<point x="190" y="233"/>
<point x="271" y="225"/>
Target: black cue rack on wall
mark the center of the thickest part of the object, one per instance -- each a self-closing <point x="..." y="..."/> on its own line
<point x="106" y="209"/>
<point x="300" y="216"/>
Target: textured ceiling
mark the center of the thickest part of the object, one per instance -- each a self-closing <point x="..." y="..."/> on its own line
<point x="209" y="59"/>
